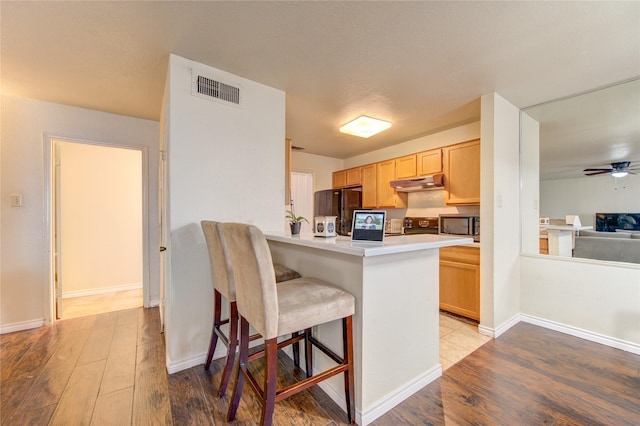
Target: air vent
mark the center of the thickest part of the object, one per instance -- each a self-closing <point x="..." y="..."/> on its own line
<point x="215" y="90"/>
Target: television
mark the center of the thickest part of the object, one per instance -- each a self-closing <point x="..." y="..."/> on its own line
<point x="609" y="222"/>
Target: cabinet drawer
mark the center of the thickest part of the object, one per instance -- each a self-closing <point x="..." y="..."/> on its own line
<point x="462" y="254"/>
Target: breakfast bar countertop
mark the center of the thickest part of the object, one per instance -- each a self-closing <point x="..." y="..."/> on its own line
<point x="390" y="245"/>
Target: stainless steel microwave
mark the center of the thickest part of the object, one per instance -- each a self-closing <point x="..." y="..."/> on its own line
<point x="460" y="225"/>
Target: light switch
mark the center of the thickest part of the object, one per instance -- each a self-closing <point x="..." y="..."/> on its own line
<point x="16" y="200"/>
<point x="499" y="200"/>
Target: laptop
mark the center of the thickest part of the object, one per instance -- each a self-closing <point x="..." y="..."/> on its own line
<point x="368" y="226"/>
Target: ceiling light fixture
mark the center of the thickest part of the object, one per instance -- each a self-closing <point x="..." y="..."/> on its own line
<point x="619" y="174"/>
<point x="365" y="127"/>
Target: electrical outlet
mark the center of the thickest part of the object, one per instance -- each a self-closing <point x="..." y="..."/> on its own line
<point x="16" y="200"/>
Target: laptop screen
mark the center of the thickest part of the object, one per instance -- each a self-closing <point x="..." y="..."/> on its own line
<point x="368" y="225"/>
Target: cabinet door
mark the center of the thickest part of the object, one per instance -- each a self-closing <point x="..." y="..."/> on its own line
<point x="354" y="177"/>
<point x="406" y="167"/>
<point x="429" y="162"/>
<point x="462" y="173"/>
<point x="340" y="179"/>
<point x="369" y="186"/>
<point x="386" y="171"/>
<point x="460" y="288"/>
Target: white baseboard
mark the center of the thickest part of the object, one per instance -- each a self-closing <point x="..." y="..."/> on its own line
<point x="20" y="326"/>
<point x="154" y="302"/>
<point x="583" y="334"/>
<point x="174" y="367"/>
<point x="496" y="332"/>
<point x="101" y="290"/>
<point x="385" y="404"/>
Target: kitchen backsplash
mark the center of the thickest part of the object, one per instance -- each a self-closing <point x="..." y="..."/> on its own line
<point x="429" y="204"/>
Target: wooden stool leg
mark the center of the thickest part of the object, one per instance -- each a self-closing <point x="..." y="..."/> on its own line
<point x="308" y="352"/>
<point x="231" y="352"/>
<point x="347" y="347"/>
<point x="217" y="300"/>
<point x="270" y="381"/>
<point x="296" y="351"/>
<point x="242" y="365"/>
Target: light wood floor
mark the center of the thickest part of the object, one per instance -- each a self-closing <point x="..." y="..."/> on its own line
<point x="108" y="369"/>
<point x="75" y="307"/>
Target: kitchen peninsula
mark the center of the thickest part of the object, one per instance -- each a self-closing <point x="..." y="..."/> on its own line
<point x="396" y="323"/>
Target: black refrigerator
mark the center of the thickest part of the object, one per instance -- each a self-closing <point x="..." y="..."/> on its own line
<point x="340" y="203"/>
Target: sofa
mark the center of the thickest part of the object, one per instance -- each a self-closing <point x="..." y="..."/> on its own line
<point x="619" y="246"/>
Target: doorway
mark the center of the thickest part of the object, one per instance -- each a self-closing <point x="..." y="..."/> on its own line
<point x="97" y="223"/>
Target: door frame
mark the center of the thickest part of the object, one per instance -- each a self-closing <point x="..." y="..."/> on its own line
<point x="49" y="218"/>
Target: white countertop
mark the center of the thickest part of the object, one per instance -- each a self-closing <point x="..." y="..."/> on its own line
<point x="390" y="245"/>
<point x="565" y="227"/>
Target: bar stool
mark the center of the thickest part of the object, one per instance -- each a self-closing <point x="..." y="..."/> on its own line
<point x="276" y="310"/>
<point x="222" y="280"/>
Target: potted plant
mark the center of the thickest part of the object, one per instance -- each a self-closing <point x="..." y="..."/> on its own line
<point x="295" y="222"/>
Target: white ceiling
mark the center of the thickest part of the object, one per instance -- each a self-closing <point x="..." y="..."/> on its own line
<point x="421" y="65"/>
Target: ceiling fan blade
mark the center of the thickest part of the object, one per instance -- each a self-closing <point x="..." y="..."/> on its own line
<point x="601" y="172"/>
<point x="598" y="170"/>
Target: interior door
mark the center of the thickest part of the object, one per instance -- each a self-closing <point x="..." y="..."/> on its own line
<point x="57" y="272"/>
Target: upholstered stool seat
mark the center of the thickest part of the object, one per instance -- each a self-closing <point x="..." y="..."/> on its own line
<point x="305" y="302"/>
<point x="276" y="310"/>
<point x="283" y="273"/>
<point x="223" y="286"/>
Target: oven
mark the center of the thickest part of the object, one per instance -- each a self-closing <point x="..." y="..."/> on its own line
<point x="420" y="225"/>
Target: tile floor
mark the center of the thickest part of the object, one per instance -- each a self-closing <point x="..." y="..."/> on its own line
<point x="458" y="338"/>
<point x="101" y="303"/>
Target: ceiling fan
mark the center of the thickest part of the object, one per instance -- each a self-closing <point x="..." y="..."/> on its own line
<point x="619" y="169"/>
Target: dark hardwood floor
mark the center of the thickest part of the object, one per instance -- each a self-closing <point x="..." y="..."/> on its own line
<point x="108" y="369"/>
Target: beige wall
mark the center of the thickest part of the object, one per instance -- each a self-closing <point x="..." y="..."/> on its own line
<point x="25" y="126"/>
<point x="319" y="166"/>
<point x="101" y="218"/>
<point x="225" y="163"/>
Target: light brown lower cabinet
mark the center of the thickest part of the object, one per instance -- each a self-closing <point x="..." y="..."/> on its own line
<point x="544" y="246"/>
<point x="460" y="281"/>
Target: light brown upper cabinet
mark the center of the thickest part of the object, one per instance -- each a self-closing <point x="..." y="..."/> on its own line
<point x="385" y="194"/>
<point x="347" y="178"/>
<point x="369" y="186"/>
<point x="406" y="167"/>
<point x="429" y="162"/>
<point x="354" y="176"/>
<point x="462" y="173"/>
<point x="339" y="179"/>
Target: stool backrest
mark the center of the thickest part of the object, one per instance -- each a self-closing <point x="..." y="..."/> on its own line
<point x="256" y="293"/>
<point x="221" y="273"/>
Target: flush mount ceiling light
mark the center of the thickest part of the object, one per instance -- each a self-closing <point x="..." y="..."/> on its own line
<point x="365" y="127"/>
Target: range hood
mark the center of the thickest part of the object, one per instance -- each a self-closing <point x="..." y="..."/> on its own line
<point x="423" y="183"/>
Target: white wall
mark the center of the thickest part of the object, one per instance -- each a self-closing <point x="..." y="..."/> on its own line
<point x="530" y="172"/>
<point x="587" y="296"/>
<point x="319" y="166"/>
<point x="588" y="195"/>
<point x="24" y="273"/>
<point x="101" y="218"/>
<point x="224" y="163"/>
<point x="596" y="300"/>
<point x="500" y="213"/>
